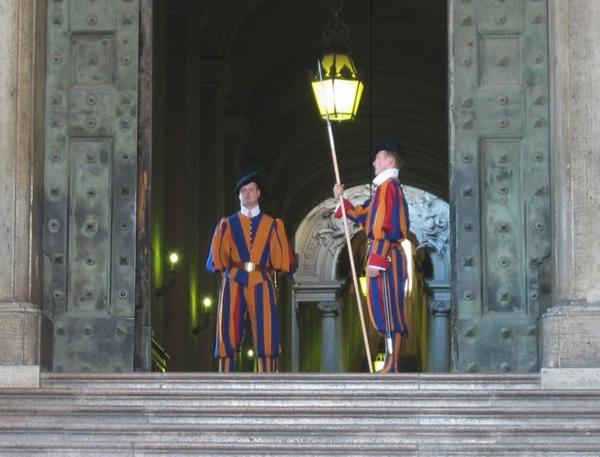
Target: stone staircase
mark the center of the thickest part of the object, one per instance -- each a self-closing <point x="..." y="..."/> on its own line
<point x="152" y="414"/>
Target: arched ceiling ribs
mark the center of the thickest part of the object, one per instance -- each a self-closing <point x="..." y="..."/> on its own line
<point x="404" y="126"/>
<point x="269" y="46"/>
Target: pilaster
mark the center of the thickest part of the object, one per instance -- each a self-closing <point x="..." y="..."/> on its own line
<point x="22" y="34"/>
<point x="569" y="336"/>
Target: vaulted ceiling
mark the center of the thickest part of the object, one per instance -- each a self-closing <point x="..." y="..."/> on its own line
<point x="400" y="48"/>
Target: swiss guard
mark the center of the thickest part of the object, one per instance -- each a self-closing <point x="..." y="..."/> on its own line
<point x="386" y="222"/>
<point x="247" y="248"/>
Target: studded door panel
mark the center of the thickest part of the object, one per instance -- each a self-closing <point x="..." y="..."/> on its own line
<point x="499" y="180"/>
<point x="90" y="183"/>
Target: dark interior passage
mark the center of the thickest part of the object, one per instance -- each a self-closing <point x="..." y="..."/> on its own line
<point x="231" y="94"/>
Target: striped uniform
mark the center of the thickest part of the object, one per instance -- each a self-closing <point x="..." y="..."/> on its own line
<point x="248" y="295"/>
<point x="386" y="222"/>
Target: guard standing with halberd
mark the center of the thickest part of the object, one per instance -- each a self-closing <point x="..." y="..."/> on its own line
<point x="386" y="222"/>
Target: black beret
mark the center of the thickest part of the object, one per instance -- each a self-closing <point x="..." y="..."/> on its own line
<point x="250" y="177"/>
<point x="388" y="145"/>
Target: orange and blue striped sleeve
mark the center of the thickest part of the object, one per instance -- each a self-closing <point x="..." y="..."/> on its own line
<point x="282" y="256"/>
<point x="356" y="213"/>
<point x="220" y="247"/>
<point x="388" y="222"/>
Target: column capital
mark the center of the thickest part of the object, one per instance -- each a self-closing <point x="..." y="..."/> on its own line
<point x="316" y="291"/>
<point x="439" y="307"/>
<point x="329" y="308"/>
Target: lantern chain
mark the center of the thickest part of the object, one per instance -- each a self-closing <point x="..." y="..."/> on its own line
<point x="336" y="30"/>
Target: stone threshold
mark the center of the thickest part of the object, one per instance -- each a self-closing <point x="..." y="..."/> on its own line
<point x="29" y="376"/>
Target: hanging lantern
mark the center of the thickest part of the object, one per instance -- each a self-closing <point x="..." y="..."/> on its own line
<point x="339" y="91"/>
<point x="335" y="83"/>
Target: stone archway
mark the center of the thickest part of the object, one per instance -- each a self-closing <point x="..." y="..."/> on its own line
<point x="320" y="241"/>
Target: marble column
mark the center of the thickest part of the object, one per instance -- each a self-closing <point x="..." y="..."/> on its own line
<point x="22" y="34"/>
<point x="330" y="310"/>
<point x="439" y="337"/>
<point x="323" y="293"/>
<point x="569" y="332"/>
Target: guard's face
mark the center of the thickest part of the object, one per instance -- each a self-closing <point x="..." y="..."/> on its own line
<point x="383" y="161"/>
<point x="249" y="195"/>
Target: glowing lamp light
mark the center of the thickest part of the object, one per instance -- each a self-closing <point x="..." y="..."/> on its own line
<point x="250" y="353"/>
<point x="339" y="91"/>
<point x="207" y="302"/>
<point x="379" y="361"/>
<point x="173" y="258"/>
<point x="363" y="285"/>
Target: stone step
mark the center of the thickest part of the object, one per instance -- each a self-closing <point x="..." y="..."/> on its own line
<point x="293" y="382"/>
<point x="553" y="402"/>
<point x="143" y="414"/>
<point x="377" y="449"/>
<point x="245" y="421"/>
<point x="359" y="435"/>
<point x="298" y="442"/>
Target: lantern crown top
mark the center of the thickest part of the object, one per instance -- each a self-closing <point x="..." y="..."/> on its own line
<point x="338" y="66"/>
<point x="336" y="85"/>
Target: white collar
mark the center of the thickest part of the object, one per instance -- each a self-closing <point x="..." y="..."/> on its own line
<point x="253" y="211"/>
<point x="385" y="175"/>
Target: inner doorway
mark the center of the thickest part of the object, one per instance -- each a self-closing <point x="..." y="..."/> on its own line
<point x="231" y="94"/>
<point x="326" y="333"/>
